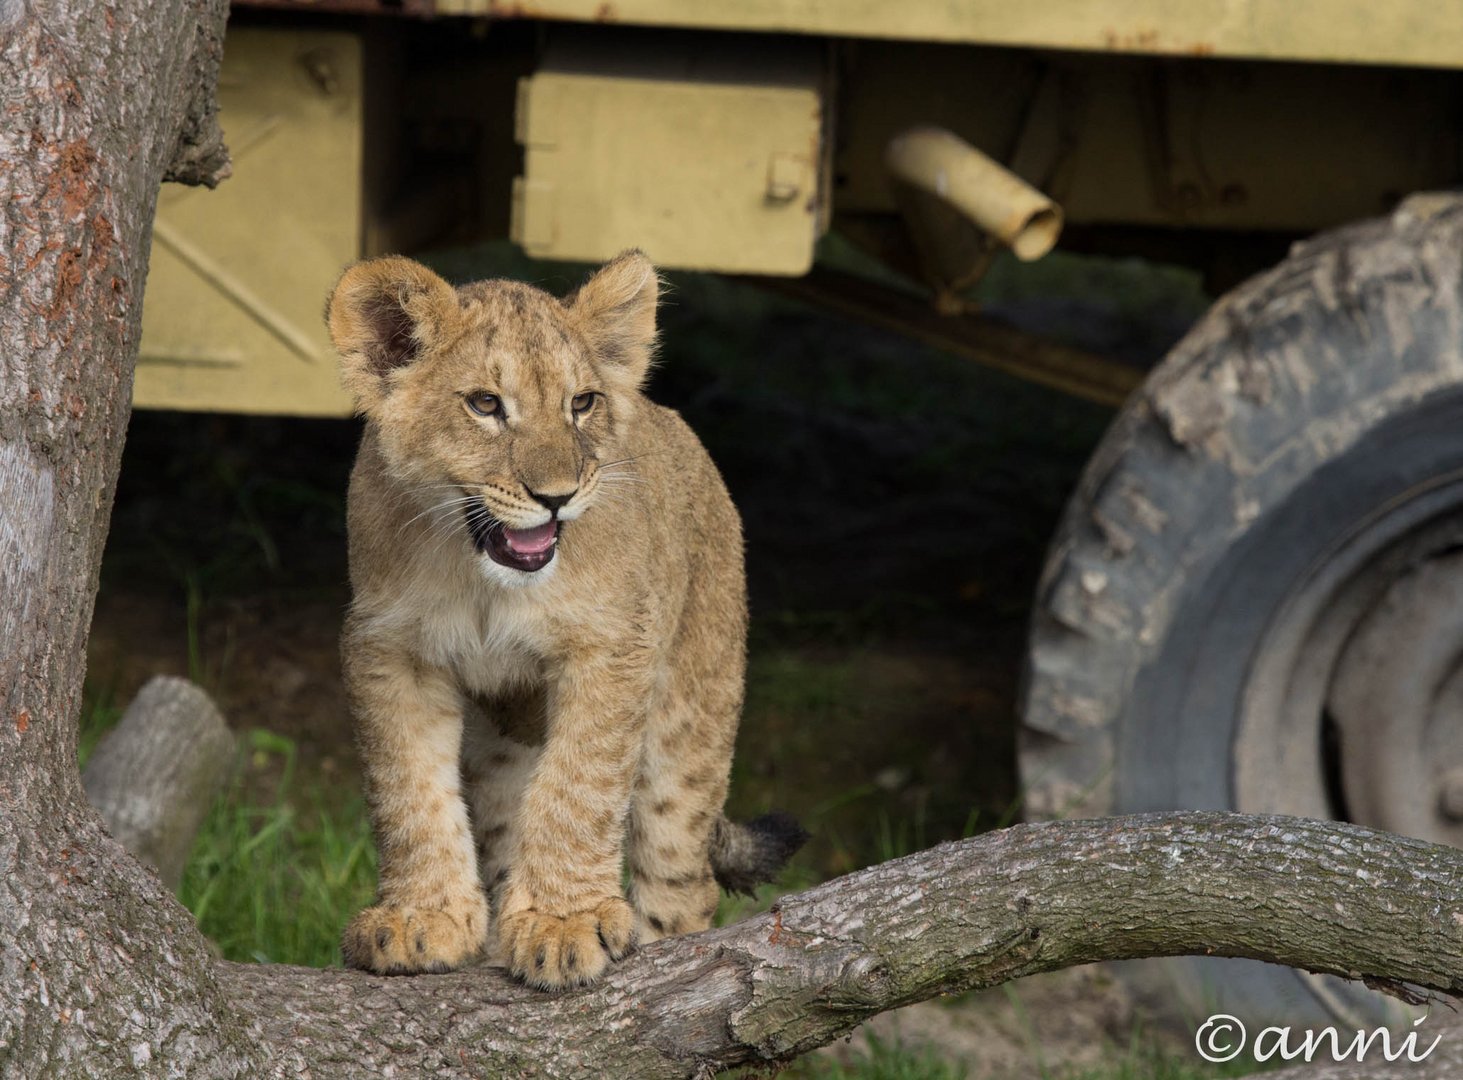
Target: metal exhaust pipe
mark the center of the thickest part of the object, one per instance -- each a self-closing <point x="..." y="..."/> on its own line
<point x="941" y="164"/>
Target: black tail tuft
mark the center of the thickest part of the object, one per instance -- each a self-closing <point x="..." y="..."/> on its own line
<point x="744" y="855"/>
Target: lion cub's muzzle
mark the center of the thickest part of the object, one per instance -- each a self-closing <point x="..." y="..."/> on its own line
<point x="519" y="549"/>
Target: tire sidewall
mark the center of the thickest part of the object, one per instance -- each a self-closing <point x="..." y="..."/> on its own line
<point x="1304" y="401"/>
<point x="1176" y="741"/>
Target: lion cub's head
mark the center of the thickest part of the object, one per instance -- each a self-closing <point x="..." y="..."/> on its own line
<point x="497" y="403"/>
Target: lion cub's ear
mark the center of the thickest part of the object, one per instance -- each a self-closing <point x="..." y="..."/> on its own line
<point x="383" y="314"/>
<point x="616" y="310"/>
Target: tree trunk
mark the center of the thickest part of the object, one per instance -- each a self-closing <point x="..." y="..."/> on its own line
<point x="102" y="973"/>
<point x="100" y="968"/>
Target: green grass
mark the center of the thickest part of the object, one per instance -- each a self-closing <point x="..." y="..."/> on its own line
<point x="278" y="865"/>
<point x="875" y="789"/>
<point x="877" y="1059"/>
<point x="99" y="714"/>
<point x="274" y="875"/>
<point x="1148" y="1063"/>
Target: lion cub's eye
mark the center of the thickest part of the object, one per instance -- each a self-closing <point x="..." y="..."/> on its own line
<point x="582" y="403"/>
<point x="484" y="404"/>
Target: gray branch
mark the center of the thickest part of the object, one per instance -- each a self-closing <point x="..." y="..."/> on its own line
<point x="201" y="157"/>
<point x="1322" y="896"/>
<point x="154" y="776"/>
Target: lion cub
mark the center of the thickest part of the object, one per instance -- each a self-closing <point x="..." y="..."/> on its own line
<point x="545" y="649"/>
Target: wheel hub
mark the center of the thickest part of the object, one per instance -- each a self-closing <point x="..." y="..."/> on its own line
<point x="1396" y="699"/>
<point x="1353" y="704"/>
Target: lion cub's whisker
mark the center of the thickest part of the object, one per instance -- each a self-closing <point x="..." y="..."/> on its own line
<point x="441" y="506"/>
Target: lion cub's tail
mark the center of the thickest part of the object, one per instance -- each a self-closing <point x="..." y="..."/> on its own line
<point x="745" y="854"/>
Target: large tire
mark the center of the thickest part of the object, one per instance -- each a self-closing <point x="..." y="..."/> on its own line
<point x="1279" y="502"/>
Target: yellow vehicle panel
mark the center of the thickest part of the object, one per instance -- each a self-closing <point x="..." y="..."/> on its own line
<point x="232" y="319"/>
<point x="704" y="159"/>
<point x="1423" y="33"/>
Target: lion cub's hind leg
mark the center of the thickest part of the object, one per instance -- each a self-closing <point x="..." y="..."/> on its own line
<point x="496" y="769"/>
<point x="676" y="804"/>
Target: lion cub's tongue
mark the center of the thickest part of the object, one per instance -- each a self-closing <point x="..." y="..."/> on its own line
<point x="532" y="541"/>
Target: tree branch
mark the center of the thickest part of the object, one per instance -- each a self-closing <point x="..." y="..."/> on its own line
<point x="154" y="776"/>
<point x="200" y="156"/>
<point x="1322" y="896"/>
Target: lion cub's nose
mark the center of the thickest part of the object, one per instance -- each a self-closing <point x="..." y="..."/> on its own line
<point x="553" y="502"/>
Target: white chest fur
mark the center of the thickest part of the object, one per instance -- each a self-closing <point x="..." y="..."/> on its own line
<point x="491" y="638"/>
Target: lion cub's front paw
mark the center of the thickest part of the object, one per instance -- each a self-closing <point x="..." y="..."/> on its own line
<point x="405" y="941"/>
<point x="552" y="952"/>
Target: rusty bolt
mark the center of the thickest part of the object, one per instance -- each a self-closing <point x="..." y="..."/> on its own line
<point x="1450" y="794"/>
<point x="785" y="177"/>
<point x="319" y="67"/>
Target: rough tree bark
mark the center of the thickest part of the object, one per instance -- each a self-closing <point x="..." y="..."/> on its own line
<point x="102" y="973"/>
<point x="961" y="916"/>
<point x="99" y="965"/>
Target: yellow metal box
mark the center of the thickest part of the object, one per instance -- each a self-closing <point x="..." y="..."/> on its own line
<point x="705" y="154"/>
<point x="232" y="320"/>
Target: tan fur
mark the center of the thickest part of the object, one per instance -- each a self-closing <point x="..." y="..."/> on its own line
<point x="520" y="730"/>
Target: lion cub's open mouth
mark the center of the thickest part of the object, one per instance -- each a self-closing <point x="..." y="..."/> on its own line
<point x="521" y="549"/>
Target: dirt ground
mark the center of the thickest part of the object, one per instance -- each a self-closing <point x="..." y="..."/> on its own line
<point x="896" y="501"/>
